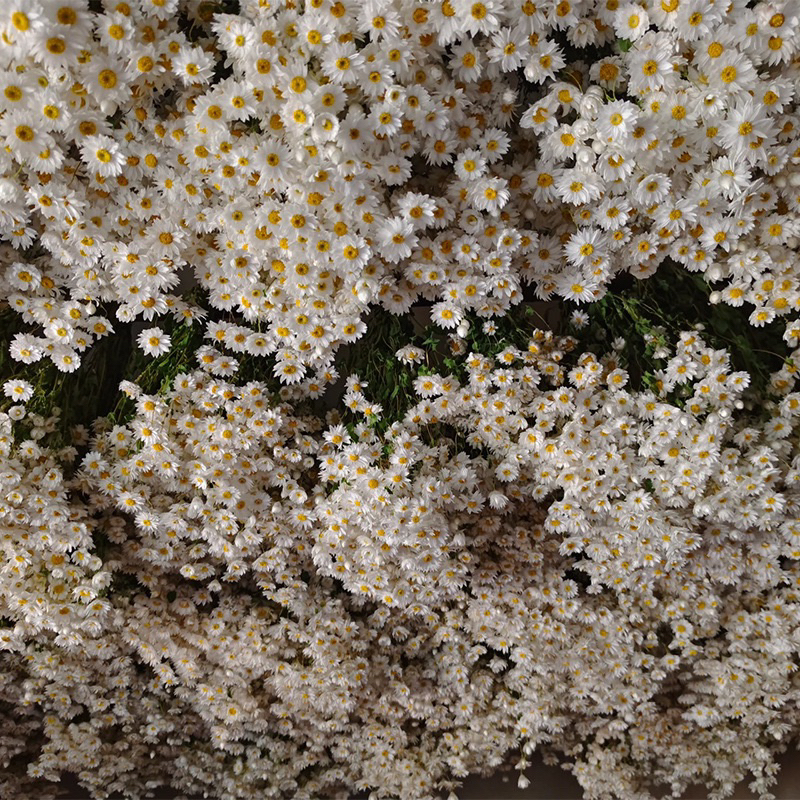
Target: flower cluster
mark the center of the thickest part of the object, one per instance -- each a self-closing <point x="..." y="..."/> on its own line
<point x="277" y="157"/>
<point x="392" y="611"/>
<point x="226" y="594"/>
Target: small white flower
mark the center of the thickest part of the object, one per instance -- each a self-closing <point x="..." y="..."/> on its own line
<point x="18" y="390"/>
<point x="16" y="413"/>
<point x="631" y="21"/>
<point x="489" y="194"/>
<point x="470" y="165"/>
<point x="580" y="319"/>
<point x="497" y="500"/>
<point x="154" y="342"/>
<point x="130" y="389"/>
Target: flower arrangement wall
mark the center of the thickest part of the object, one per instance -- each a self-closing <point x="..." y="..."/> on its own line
<point x="261" y="534"/>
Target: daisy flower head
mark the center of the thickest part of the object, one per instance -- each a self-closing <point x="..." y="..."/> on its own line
<point x="24" y="138"/>
<point x="379" y="24"/>
<point x="779" y="21"/>
<point x="65" y="358"/>
<point x="490" y="194"/>
<point x="732" y="73"/>
<point x="102" y="154"/>
<point x="577" y="187"/>
<point x="386" y="119"/>
<point x="410" y="355"/>
<point x="237" y="100"/>
<point x="445" y="315"/>
<point x="342" y="63"/>
<point x="274" y="159"/>
<point x="20" y="19"/>
<point x="106" y="79"/>
<point x="761" y="315"/>
<point x="396" y="239"/>
<point x="494" y="144"/>
<point x="72" y="17"/>
<point x="161" y="9"/>
<point x="154" y="342"/>
<point x="351" y="252"/>
<point x="617" y="120"/>
<point x="193" y="65"/>
<point x="609" y="73"/>
<point x="651" y="63"/>
<point x="564" y="142"/>
<point x="510" y="48"/>
<point x="26" y="348"/>
<point x="585" y="247"/>
<point x="746" y="128"/>
<point x="631" y="21"/>
<point x="652" y="189"/>
<point x="545" y="60"/>
<point x="470" y="165"/>
<point x="115" y="31"/>
<point x="613" y="213"/>
<point x="576" y="288"/>
<point x="56" y="50"/>
<point x="478" y="16"/>
<point x="17" y="412"/>
<point x="419" y="208"/>
<point x="696" y="19"/>
<point x="579" y="319"/>
<point x="18" y="390"/>
<point x="730" y="176"/>
<point x="541" y="116"/>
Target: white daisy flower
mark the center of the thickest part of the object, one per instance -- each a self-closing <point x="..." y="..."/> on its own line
<point x="154" y="342"/>
<point x="18" y="390"/>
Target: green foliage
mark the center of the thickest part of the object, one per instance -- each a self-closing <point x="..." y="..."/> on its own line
<point x="82" y="395"/>
<point x="156" y="375"/>
<point x="650" y="313"/>
<point x="92" y="391"/>
<point x="372" y="359"/>
<point x="515" y="329"/>
<point x="647" y="314"/>
<point x="390" y="382"/>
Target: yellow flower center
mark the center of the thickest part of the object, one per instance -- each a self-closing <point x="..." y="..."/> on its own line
<point x="20" y="21"/>
<point x="107" y="78"/>
<point x="66" y="16"/>
<point x="24" y="133"/>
